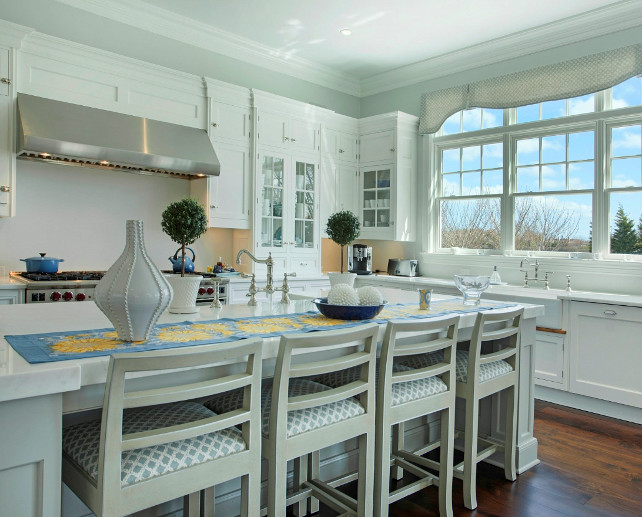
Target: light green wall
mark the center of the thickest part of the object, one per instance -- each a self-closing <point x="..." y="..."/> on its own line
<point x="408" y="98"/>
<point x="56" y="19"/>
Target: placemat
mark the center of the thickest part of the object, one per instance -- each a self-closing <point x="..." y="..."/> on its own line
<point x="62" y="346"/>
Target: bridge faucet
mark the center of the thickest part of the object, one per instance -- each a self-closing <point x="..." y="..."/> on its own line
<point x="269" y="288"/>
<point x="525" y="271"/>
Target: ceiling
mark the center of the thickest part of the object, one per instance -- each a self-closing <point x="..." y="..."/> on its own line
<point x="385" y="35"/>
<point x="392" y="43"/>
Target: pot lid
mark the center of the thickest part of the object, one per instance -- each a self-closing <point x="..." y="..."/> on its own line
<point x="42" y="258"/>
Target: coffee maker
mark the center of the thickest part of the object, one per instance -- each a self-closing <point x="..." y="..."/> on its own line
<point x="360" y="259"/>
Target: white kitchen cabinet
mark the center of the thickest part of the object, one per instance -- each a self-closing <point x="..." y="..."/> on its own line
<point x="388" y="177"/>
<point x="7" y="130"/>
<point x="11" y="296"/>
<point x="606" y="352"/>
<point x="549" y="359"/>
<point x="287" y="211"/>
<point x="341" y="145"/>
<point x="280" y="129"/>
<point x="227" y="197"/>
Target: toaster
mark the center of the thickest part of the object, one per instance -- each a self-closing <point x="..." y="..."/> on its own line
<point x="402" y="267"/>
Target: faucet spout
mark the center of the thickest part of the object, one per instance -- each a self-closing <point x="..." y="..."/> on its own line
<point x="247" y="252"/>
<point x="269" y="288"/>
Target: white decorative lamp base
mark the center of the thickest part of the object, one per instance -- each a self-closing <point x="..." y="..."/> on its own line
<point x="185" y="293"/>
<point x="133" y="293"/>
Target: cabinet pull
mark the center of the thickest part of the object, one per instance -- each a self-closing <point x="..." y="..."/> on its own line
<point x="292" y="139"/>
<point x="5" y="80"/>
<point x="392" y="150"/>
<point x="341" y="150"/>
<point x="214" y="124"/>
<point x="5" y="188"/>
<point x="213" y="206"/>
<point x="610" y="313"/>
<point x="286" y="139"/>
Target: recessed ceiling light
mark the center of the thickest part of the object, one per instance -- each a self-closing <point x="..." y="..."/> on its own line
<point x="345" y="32"/>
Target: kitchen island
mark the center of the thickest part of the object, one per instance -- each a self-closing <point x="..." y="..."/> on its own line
<point x="34" y="398"/>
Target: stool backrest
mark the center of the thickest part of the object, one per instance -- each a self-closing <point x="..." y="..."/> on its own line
<point x="199" y="378"/>
<point x="503" y="327"/>
<point x="298" y="357"/>
<point x="404" y="338"/>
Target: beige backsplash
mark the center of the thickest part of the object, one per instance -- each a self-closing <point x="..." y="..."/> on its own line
<point x="381" y="252"/>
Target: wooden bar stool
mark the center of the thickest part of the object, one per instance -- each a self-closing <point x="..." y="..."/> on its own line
<point x="404" y="393"/>
<point x="480" y="375"/>
<point x="153" y="445"/>
<point x="301" y="417"/>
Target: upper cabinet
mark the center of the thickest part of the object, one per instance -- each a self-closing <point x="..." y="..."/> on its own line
<point x="388" y="177"/>
<point x="342" y="145"/>
<point x="7" y="129"/>
<point x="227" y="197"/>
<point x="291" y="132"/>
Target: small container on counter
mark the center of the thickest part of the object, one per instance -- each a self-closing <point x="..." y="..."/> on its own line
<point x="424" y="298"/>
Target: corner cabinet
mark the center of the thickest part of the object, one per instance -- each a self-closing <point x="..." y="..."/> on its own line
<point x="7" y="130"/>
<point x="227" y="197"/>
<point x="606" y="352"/>
<point x="387" y="179"/>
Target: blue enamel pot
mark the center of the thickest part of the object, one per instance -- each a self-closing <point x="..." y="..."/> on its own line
<point x="42" y="264"/>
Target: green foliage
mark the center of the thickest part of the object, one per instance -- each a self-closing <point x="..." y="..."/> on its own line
<point x="638" y="244"/>
<point x="343" y="227"/>
<point x="184" y="221"/>
<point x="624" y="238"/>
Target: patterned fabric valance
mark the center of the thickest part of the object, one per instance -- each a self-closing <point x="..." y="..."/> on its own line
<point x="572" y="78"/>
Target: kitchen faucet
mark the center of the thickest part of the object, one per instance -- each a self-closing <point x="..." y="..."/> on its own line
<point x="535" y="278"/>
<point x="269" y="288"/>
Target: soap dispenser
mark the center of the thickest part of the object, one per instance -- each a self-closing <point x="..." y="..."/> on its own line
<point x="495" y="278"/>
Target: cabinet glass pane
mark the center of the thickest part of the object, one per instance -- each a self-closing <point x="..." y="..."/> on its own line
<point x="277" y="232"/>
<point x="376" y="198"/>
<point x="278" y="172"/>
<point x="272" y="201"/>
<point x="369" y="179"/>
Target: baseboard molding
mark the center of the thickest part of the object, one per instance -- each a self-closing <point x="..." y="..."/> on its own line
<point x="590" y="404"/>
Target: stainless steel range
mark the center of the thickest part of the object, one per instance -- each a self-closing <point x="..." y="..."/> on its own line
<point x="78" y="286"/>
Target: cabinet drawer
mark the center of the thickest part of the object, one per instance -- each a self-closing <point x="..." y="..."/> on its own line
<point x="304" y="265"/>
<point x="606" y="352"/>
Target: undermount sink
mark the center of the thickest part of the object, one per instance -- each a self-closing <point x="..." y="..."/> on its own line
<point x="552" y="317"/>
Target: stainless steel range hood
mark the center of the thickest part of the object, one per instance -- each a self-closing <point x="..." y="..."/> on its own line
<point x="71" y="134"/>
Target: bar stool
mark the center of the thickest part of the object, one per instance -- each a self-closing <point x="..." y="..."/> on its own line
<point x="301" y="417"/>
<point x="404" y="393"/>
<point x="153" y="445"/>
<point x="480" y="375"/>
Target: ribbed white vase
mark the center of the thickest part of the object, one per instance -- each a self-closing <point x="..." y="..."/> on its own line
<point x="133" y="293"/>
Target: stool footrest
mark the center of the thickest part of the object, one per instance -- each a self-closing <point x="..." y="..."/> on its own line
<point x="332" y="497"/>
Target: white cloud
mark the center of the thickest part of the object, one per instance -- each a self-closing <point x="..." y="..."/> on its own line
<point x="627" y="139"/>
<point x="581" y="105"/>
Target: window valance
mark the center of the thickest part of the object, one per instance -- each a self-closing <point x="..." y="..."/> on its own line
<point x="568" y="79"/>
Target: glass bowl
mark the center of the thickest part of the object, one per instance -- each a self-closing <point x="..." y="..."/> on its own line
<point x="472" y="287"/>
<point x="348" y="312"/>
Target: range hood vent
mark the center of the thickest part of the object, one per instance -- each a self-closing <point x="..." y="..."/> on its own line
<point x="70" y="134"/>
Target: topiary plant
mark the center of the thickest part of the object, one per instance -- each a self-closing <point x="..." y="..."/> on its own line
<point x="343" y="227"/>
<point x="184" y="221"/>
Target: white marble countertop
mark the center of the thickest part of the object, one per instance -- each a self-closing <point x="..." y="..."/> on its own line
<point x="6" y="282"/>
<point x="19" y="379"/>
<point x="259" y="278"/>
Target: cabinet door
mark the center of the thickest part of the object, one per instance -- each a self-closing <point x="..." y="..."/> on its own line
<point x="10" y="296"/>
<point x="229" y="122"/>
<point x="7" y="158"/>
<point x="377" y="147"/>
<point x="376" y="201"/>
<point x="303" y="226"/>
<point x="302" y="135"/>
<point x="5" y="77"/>
<point x="606" y="352"/>
<point x="340" y="145"/>
<point x="347" y="187"/>
<point x="272" y="129"/>
<point x="230" y="191"/>
<point x="271" y="185"/>
<point x="549" y="359"/>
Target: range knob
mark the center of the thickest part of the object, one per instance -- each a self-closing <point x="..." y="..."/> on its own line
<point x="201" y="290"/>
<point x="55" y="296"/>
<point x="210" y="290"/>
<point x="80" y="297"/>
<point x="68" y="296"/>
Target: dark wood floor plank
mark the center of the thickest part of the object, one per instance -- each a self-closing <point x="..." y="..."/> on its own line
<point x="591" y="466"/>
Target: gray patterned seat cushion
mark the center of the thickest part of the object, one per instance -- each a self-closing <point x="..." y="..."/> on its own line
<point x="402" y="392"/>
<point x="486" y="371"/>
<point x="299" y="421"/>
<point x="81" y="442"/>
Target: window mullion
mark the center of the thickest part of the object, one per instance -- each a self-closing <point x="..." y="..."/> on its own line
<point x="507" y="235"/>
<point x="600" y="232"/>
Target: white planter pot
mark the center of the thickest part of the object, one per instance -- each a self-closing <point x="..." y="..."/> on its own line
<point x="342" y="278"/>
<point x="185" y="293"/>
<point x="133" y="293"/>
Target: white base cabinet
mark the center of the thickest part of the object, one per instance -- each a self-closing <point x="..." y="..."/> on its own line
<point x="12" y="296"/>
<point x="549" y="360"/>
<point x="606" y="352"/>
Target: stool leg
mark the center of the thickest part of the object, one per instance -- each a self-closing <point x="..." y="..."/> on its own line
<point x="251" y="494"/>
<point x="446" y="461"/>
<point x="382" y="465"/>
<point x="277" y="485"/>
<point x="300" y="509"/>
<point x="366" y="483"/>
<point x="207" y="502"/>
<point x="470" y="453"/>
<point x="313" y="473"/>
<point x="397" y="445"/>
<point x="191" y="504"/>
<point x="510" y="443"/>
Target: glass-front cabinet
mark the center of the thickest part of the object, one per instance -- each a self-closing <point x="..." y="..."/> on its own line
<point x="287" y="207"/>
<point x="376" y="199"/>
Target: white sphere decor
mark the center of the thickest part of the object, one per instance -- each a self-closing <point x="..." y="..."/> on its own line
<point x="369" y="295"/>
<point x="133" y="293"/>
<point x="343" y="294"/>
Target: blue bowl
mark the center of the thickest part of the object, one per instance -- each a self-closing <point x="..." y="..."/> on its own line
<point x="348" y="312"/>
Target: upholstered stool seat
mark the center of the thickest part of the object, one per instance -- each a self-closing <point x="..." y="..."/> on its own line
<point x="487" y="371"/>
<point x="81" y="443"/>
<point x="300" y="420"/>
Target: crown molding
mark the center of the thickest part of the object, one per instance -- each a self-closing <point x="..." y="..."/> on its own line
<point x="12" y="34"/>
<point x="192" y="32"/>
<point x="599" y="22"/>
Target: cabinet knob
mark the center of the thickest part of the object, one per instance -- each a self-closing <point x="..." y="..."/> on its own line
<point x="292" y="139"/>
<point x="214" y="124"/>
<point x="392" y="149"/>
<point x="5" y="188"/>
<point x="286" y="139"/>
<point x="5" y="80"/>
<point x="341" y="150"/>
<point x="610" y="313"/>
<point x="213" y="206"/>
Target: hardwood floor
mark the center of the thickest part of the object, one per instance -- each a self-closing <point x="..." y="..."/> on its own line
<point x="591" y="466"/>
